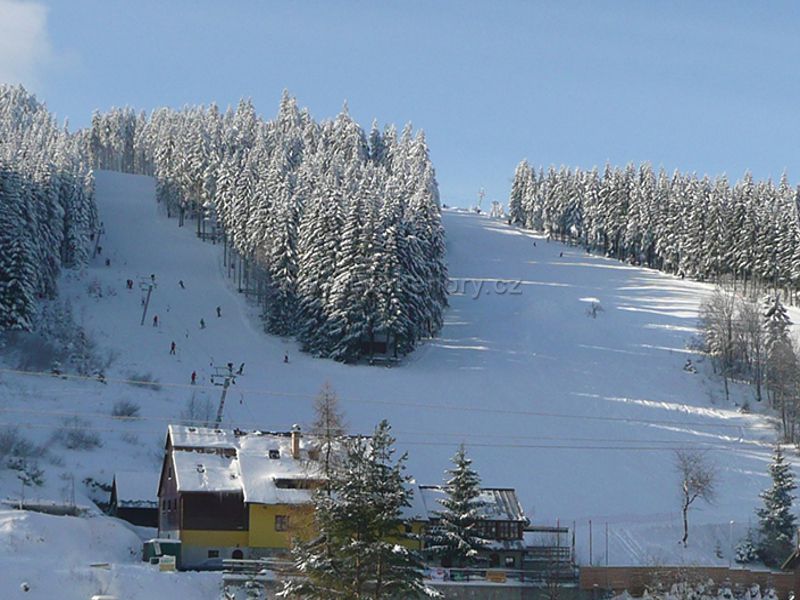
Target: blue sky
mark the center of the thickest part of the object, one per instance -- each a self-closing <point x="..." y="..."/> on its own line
<point x="710" y="87"/>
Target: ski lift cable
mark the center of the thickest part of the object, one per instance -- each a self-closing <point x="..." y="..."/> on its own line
<point x="461" y="435"/>
<point x="421" y="405"/>
<point x="420" y="443"/>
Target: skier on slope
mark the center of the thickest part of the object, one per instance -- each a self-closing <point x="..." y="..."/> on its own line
<point x="180" y="283"/>
<point x="219" y="311"/>
<point x="202" y="324"/>
<point x="155" y="320"/>
<point x="194" y="377"/>
<point x="172" y="348"/>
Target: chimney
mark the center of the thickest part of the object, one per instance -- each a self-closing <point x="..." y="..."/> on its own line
<point x="296" y="442"/>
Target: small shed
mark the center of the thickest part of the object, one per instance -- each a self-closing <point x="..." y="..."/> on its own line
<point x="134" y="497"/>
<point x="378" y="345"/>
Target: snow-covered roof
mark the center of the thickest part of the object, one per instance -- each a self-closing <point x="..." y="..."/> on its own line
<point x="276" y="478"/>
<point x="206" y="472"/>
<point x="184" y="436"/>
<point x="261" y="465"/>
<point x="136" y="489"/>
<point x="499" y="504"/>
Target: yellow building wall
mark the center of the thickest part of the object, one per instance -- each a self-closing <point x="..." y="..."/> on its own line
<point x="262" y="524"/>
<point x="214" y="539"/>
<point x="417" y="529"/>
<point x="262" y="532"/>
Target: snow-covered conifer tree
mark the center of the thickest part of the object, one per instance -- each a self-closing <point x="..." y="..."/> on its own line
<point x="455" y="536"/>
<point x="776" y="520"/>
<point x="357" y="553"/>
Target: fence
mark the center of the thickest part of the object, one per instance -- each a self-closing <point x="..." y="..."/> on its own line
<point x="636" y="579"/>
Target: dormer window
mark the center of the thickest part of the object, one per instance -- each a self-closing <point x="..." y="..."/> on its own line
<point x="274" y="453"/>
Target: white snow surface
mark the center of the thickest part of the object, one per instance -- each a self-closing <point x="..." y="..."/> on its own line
<point x="136" y="489"/>
<point x="54" y="556"/>
<point x="199" y="472"/>
<point x="580" y="415"/>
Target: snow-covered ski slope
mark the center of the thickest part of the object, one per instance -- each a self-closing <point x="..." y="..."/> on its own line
<point x="579" y="414"/>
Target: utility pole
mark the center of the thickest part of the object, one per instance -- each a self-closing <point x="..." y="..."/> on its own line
<point x="100" y="232"/>
<point x="147" y="299"/>
<point x="223" y="376"/>
<point x="481" y="196"/>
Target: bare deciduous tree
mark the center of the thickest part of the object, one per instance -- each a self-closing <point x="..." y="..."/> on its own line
<point x="717" y="317"/>
<point x="698" y="480"/>
<point x="328" y="423"/>
<point x="753" y="342"/>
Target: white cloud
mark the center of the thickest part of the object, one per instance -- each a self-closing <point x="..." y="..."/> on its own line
<point x="24" y="44"/>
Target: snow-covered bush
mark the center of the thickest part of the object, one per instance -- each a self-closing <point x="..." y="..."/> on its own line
<point x="746" y="550"/>
<point x="144" y="380"/>
<point x="12" y="445"/>
<point x="198" y="411"/>
<point x="21" y="455"/>
<point x="28" y="471"/>
<point x="130" y="438"/>
<point x="705" y="590"/>
<point x="125" y="409"/>
<point x="75" y="434"/>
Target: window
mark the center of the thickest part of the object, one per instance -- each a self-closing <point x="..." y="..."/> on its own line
<point x="509" y="561"/>
<point x="213" y="554"/>
<point x="487" y="530"/>
<point x="505" y="530"/>
<point x="281" y="522"/>
<point x="169" y="473"/>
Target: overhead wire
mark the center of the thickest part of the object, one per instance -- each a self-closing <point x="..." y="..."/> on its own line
<point x="605" y="447"/>
<point x="408" y="404"/>
<point x="453" y="434"/>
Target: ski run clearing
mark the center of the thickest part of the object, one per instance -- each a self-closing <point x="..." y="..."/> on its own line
<point x="579" y="413"/>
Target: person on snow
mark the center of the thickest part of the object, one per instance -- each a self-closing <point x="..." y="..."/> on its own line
<point x="286" y="358"/>
<point x="155" y="320"/>
<point x="180" y="283"/>
<point x="202" y="324"/>
<point x="194" y="377"/>
<point x="108" y="262"/>
<point x="172" y="348"/>
<point x="219" y="311"/>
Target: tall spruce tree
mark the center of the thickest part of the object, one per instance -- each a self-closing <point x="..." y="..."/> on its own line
<point x="456" y="538"/>
<point x="776" y="520"/>
<point x="358" y="553"/>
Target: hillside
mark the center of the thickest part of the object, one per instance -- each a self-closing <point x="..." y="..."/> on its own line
<point x="579" y="414"/>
